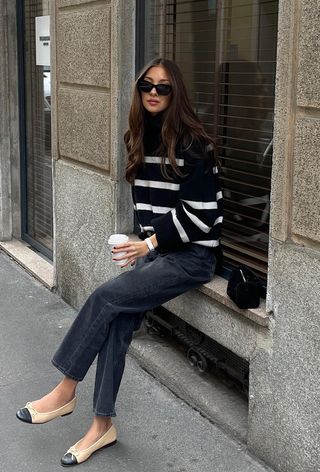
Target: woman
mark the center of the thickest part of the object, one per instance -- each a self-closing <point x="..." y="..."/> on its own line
<point x="178" y="204"/>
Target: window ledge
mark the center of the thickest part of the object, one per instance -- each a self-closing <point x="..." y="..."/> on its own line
<point x="217" y="289"/>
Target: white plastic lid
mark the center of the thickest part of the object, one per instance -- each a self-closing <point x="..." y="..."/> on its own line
<point x="118" y="239"/>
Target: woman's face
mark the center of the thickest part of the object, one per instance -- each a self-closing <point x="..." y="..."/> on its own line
<point x="152" y="101"/>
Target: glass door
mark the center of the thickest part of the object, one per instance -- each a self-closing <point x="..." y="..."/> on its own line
<point x="35" y="123"/>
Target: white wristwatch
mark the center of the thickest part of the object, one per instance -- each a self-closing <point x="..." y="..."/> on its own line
<point x="149" y="244"/>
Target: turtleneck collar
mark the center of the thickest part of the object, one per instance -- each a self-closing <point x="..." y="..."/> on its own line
<point x="152" y="131"/>
<point x="153" y="122"/>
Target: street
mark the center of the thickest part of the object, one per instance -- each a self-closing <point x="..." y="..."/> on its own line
<point x="157" y="432"/>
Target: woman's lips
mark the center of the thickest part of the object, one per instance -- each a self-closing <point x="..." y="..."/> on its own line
<point x="153" y="102"/>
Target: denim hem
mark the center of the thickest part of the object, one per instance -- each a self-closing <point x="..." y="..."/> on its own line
<point x="64" y="371"/>
<point x="97" y="413"/>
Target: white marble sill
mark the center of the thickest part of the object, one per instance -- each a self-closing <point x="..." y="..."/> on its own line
<point x="33" y="263"/>
<point x="217" y="290"/>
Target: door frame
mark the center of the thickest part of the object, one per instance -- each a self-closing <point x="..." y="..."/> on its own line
<point x="22" y="134"/>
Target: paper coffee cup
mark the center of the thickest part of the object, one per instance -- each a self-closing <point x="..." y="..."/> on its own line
<point x="118" y="239"/>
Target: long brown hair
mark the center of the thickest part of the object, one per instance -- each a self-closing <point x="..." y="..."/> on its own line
<point x="180" y="123"/>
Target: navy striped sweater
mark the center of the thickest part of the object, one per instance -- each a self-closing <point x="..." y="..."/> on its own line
<point x="185" y="209"/>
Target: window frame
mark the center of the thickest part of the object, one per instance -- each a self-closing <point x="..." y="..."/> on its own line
<point x="226" y="267"/>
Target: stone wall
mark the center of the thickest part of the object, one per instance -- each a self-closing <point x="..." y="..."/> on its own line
<point x="5" y="141"/>
<point x="284" y="419"/>
<point x="10" y="205"/>
<point x="14" y="119"/>
<point x="93" y="57"/>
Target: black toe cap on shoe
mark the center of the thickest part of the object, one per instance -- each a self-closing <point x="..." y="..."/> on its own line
<point x="68" y="459"/>
<point x="24" y="415"/>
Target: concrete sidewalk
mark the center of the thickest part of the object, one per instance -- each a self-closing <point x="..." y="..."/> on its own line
<point x="157" y="431"/>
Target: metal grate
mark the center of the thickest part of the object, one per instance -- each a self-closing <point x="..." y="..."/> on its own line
<point x="202" y="352"/>
<point x="227" y="52"/>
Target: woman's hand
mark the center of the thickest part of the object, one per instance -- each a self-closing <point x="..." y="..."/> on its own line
<point x="134" y="249"/>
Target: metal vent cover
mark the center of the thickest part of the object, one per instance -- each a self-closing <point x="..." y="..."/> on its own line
<point x="202" y="352"/>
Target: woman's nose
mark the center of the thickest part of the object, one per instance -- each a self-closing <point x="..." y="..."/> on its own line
<point x="153" y="91"/>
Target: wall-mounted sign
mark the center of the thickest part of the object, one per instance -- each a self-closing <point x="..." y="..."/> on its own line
<point x="43" y="40"/>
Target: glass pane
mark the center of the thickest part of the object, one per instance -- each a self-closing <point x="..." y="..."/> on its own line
<point x="227" y="53"/>
<point x="38" y="121"/>
<point x="185" y="31"/>
<point x="245" y="122"/>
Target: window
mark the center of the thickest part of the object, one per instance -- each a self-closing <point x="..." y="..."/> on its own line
<point x="227" y="52"/>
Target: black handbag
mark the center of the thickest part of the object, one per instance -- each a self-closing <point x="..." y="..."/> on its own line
<point x="245" y="288"/>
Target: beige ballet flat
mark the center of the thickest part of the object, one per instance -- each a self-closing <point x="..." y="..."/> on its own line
<point x="74" y="457"/>
<point x="29" y="414"/>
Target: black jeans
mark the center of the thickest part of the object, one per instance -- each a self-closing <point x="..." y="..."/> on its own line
<point x="105" y="323"/>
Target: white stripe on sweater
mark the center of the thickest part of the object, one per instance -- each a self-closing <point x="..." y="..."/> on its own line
<point x="209" y="243"/>
<point x="200" y="224"/>
<point x="146" y="228"/>
<point x="154" y="209"/>
<point x="156" y="184"/>
<point x="181" y="231"/>
<point x="158" y="160"/>
<point x="202" y="205"/>
<point x="218" y="220"/>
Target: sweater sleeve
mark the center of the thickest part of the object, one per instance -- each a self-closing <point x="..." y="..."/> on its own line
<point x="198" y="215"/>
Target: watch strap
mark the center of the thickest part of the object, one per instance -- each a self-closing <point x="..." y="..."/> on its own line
<point x="149" y="244"/>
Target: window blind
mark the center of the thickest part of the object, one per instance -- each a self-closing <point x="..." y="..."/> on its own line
<point x="226" y="50"/>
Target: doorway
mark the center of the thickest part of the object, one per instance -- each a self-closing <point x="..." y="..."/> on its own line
<point x="35" y="123"/>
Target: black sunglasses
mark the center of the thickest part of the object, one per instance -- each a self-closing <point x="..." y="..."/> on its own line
<point x="162" y="89"/>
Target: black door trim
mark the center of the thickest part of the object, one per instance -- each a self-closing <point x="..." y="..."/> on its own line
<point x="22" y="135"/>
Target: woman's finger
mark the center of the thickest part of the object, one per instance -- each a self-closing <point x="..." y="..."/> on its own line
<point x="127" y="263"/>
<point x="127" y="248"/>
<point x="128" y="255"/>
<point x="120" y="258"/>
<point x="127" y="244"/>
<point x="124" y="249"/>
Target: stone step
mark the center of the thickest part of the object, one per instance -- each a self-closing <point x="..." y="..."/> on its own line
<point x="222" y="405"/>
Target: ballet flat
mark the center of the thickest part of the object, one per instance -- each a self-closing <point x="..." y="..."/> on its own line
<point x="29" y="414"/>
<point x="75" y="457"/>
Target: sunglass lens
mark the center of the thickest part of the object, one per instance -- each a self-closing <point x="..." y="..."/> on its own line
<point x="162" y="89"/>
<point x="145" y="86"/>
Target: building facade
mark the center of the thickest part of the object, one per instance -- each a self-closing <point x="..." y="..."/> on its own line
<point x="252" y="70"/>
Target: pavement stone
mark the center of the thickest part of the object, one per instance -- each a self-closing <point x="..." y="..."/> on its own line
<point x="158" y="432"/>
